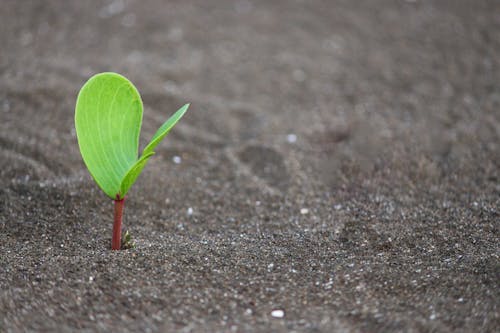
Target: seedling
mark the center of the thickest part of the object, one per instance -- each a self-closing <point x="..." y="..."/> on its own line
<point x="108" y="117"/>
<point x="127" y="242"/>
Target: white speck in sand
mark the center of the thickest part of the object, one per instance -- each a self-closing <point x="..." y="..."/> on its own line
<point x="291" y="138"/>
<point x="304" y="211"/>
<point x="171" y="87"/>
<point x="278" y="313"/>
<point x="190" y="211"/>
<point x="112" y="9"/>
<point x="177" y="159"/>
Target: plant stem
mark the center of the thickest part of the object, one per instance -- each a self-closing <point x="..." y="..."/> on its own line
<point x="116" y="242"/>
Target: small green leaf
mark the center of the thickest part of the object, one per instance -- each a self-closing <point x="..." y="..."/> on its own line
<point x="133" y="173"/>
<point x="164" y="129"/>
<point x="127" y="242"/>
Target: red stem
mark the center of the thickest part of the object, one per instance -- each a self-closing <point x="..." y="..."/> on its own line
<point x="116" y="242"/>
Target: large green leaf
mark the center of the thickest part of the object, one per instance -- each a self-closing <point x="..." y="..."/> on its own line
<point x="108" y="119"/>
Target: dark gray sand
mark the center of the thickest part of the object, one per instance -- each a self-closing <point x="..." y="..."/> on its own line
<point x="339" y="166"/>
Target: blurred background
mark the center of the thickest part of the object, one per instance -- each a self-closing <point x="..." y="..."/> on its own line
<point x="332" y="88"/>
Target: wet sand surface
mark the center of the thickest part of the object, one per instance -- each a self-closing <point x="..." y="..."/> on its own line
<point x="338" y="170"/>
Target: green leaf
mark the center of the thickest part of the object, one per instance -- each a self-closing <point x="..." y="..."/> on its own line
<point x="108" y="119"/>
<point x="133" y="173"/>
<point x="164" y="129"/>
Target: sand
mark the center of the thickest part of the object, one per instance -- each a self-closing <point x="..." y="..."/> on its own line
<point x="338" y="170"/>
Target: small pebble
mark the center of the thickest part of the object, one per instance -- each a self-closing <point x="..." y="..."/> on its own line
<point x="304" y="211"/>
<point x="278" y="313"/>
<point x="177" y="159"/>
<point x="190" y="211"/>
<point x="291" y="138"/>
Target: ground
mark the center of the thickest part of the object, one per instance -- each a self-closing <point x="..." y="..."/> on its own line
<point x="339" y="162"/>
